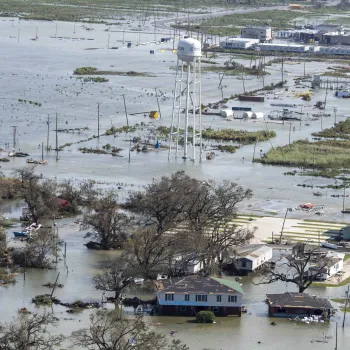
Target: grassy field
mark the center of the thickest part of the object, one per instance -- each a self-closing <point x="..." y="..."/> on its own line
<point x="340" y="130"/>
<point x="227" y="25"/>
<point x="95" y="10"/>
<point x="321" y="284"/>
<point x="328" y="154"/>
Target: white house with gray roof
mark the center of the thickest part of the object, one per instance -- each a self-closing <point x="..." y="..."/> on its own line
<point x="191" y="294"/>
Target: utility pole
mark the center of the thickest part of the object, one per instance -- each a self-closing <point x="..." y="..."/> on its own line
<point x="126" y="113"/>
<point x="98" y="119"/>
<point x="344" y="198"/>
<point x="282" y="71"/>
<point x="48" y="132"/>
<point x="325" y="98"/>
<point x="56" y="30"/>
<point x="56" y="137"/>
<point x="336" y="336"/>
<point x="335" y="115"/>
<point x="290" y="129"/>
<point x="14" y="137"/>
<point x="42" y="151"/>
<point x="346" y="303"/>
<point x="160" y="114"/>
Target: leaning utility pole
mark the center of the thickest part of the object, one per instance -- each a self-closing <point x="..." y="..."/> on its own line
<point x="56" y="138"/>
<point x="160" y="114"/>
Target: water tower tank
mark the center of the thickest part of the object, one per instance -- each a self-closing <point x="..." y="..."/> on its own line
<point x="188" y="49"/>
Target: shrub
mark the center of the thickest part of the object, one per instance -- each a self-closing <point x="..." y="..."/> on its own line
<point x="205" y="317"/>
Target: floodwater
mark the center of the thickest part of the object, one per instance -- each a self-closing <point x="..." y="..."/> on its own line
<point x="242" y="333"/>
<point x="42" y="71"/>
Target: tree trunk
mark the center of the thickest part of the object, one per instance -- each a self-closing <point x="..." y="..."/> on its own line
<point x="301" y="289"/>
<point x="117" y="294"/>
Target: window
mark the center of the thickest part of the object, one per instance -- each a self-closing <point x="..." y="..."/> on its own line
<point x="201" y="297"/>
<point x="187" y="297"/>
<point x="244" y="263"/>
<point x="169" y="297"/>
<point x="232" y="298"/>
<point x="218" y="298"/>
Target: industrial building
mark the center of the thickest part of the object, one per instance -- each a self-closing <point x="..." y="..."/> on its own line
<point x="335" y="38"/>
<point x="238" y="43"/>
<point x="340" y="50"/>
<point x="263" y="34"/>
<point x="283" y="47"/>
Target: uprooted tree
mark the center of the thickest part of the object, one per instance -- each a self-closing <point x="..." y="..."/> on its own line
<point x="109" y="331"/>
<point x="301" y="267"/>
<point x="29" y="332"/>
<point x="110" y="226"/>
<point x="183" y="217"/>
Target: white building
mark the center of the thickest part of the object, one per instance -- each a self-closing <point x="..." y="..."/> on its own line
<point x="283" y="47"/>
<point x="257" y="32"/>
<point x="252" y="257"/>
<point x="238" y="43"/>
<point x="333" y="264"/>
<point x="191" y="294"/>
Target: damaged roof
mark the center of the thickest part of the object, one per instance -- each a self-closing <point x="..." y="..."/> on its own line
<point x="298" y="300"/>
<point x="198" y="285"/>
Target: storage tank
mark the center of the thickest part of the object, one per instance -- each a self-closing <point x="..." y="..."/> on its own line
<point x="188" y="49"/>
<point x="258" y="115"/>
<point x="247" y="115"/>
<point x="227" y="113"/>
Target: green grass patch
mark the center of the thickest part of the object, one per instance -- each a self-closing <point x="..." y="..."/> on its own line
<point x="340" y="130"/>
<point x="346" y="257"/>
<point x="343" y="283"/>
<point x="227" y="148"/>
<point x="240" y="136"/>
<point x="95" y="71"/>
<point x="324" y="155"/>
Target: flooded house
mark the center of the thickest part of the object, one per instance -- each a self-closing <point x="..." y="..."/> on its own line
<point x="333" y="263"/>
<point x="252" y="257"/>
<point x="191" y="294"/>
<point x="298" y="304"/>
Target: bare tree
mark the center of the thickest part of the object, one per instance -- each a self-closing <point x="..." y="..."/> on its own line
<point x="110" y="227"/>
<point x="186" y="218"/>
<point x="29" y="332"/>
<point x="153" y="250"/>
<point x="164" y="202"/>
<point x="115" y="277"/>
<point x="301" y="267"/>
<point x="109" y="331"/>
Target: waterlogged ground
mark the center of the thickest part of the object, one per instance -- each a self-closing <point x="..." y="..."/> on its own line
<point x="41" y="71"/>
<point x="243" y="332"/>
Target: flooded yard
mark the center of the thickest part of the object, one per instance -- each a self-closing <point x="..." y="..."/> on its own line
<point x="41" y="71"/>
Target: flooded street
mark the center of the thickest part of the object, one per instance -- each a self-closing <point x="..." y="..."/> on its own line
<point x="41" y="71"/>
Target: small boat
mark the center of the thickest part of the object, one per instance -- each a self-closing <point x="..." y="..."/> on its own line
<point x="243" y="309"/>
<point x="21" y="233"/>
<point x="318" y="193"/>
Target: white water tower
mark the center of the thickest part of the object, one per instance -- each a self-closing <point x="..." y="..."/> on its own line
<point x="187" y="97"/>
